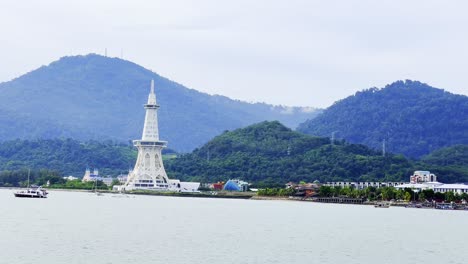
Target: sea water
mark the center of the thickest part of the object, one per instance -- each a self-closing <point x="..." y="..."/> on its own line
<point x="80" y="227"/>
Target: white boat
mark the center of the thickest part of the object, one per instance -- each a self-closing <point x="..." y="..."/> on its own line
<point x="382" y="205"/>
<point x="96" y="189"/>
<point x="32" y="192"/>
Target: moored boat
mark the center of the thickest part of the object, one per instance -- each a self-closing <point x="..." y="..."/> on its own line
<point x="32" y="192"/>
<point x="382" y="205"/>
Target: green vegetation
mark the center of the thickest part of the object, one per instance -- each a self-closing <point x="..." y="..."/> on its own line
<point x="270" y="154"/>
<point x="267" y="154"/>
<point x="276" y="192"/>
<point x="67" y="156"/>
<point x="374" y="194"/>
<point x="100" y="98"/>
<point x="19" y="178"/>
<point x="414" y="119"/>
<point x="451" y="163"/>
<point x="390" y="193"/>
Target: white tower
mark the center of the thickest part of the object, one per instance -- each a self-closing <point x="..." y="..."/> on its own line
<point x="149" y="171"/>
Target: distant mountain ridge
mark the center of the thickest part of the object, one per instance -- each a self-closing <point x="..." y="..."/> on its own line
<point x="96" y="97"/>
<point x="412" y="117"/>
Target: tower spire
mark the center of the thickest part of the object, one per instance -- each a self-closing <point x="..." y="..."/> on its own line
<point x="152" y="95"/>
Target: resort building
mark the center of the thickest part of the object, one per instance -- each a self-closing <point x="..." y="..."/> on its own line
<point x="420" y="180"/>
<point x="422" y="176"/>
<point x="424" y="180"/>
<point x="363" y="185"/>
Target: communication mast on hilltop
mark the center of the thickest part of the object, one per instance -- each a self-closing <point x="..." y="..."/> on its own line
<point x="333" y="137"/>
<point x="383" y="148"/>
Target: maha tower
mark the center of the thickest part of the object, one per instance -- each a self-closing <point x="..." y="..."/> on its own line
<point x="149" y="172"/>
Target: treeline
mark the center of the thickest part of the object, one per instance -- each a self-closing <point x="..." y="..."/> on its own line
<point x="266" y="154"/>
<point x="68" y="156"/>
<point x="391" y="193"/>
<point x="269" y="154"/>
<point x="374" y="194"/>
<point x="23" y="177"/>
<point x="53" y="179"/>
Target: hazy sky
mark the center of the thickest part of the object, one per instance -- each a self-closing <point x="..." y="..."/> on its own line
<point x="308" y="53"/>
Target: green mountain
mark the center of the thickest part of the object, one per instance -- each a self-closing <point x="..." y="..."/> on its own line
<point x="266" y="154"/>
<point x="67" y="156"/>
<point x="270" y="153"/>
<point x="413" y="118"/>
<point x="99" y="98"/>
<point x="451" y="162"/>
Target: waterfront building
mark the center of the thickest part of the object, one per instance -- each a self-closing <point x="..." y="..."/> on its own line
<point x="236" y="185"/>
<point x="423" y="176"/>
<point x="94" y="176"/>
<point x="88" y="176"/>
<point x="363" y="185"/>
<point x="122" y="178"/>
<point x="304" y="189"/>
<point x="149" y="172"/>
<point x="425" y="180"/>
<point x="70" y="178"/>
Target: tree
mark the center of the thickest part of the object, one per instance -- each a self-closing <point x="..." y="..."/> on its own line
<point x="388" y="193"/>
<point x="325" y="191"/>
<point x="422" y="197"/>
<point x="407" y="196"/>
<point x="449" y="197"/>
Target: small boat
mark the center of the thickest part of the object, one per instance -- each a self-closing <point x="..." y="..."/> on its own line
<point x="382" y="205"/>
<point x="32" y="192"/>
<point x="96" y="189"/>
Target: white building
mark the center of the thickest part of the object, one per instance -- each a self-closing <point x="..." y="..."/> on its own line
<point x="363" y="185"/>
<point x="70" y="178"/>
<point x="149" y="173"/>
<point x="88" y="176"/>
<point x="94" y="176"/>
<point x="423" y="176"/>
<point x="424" y="180"/>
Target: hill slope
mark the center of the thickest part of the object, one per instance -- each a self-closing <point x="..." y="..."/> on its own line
<point x="67" y="156"/>
<point x="450" y="162"/>
<point x="270" y="153"/>
<point x="267" y="153"/>
<point x="412" y="117"/>
<point x="95" y="97"/>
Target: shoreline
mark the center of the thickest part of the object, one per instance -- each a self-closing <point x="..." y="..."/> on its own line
<point x="254" y="196"/>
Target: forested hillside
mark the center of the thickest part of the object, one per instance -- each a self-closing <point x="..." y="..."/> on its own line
<point x="100" y="98"/>
<point x="265" y="154"/>
<point x="451" y="162"/>
<point x="67" y="156"/>
<point x="270" y="153"/>
<point x="413" y="118"/>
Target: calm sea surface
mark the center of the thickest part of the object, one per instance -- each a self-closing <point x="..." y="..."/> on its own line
<point x="72" y="227"/>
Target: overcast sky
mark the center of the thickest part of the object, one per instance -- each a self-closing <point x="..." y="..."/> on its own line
<point x="291" y="52"/>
